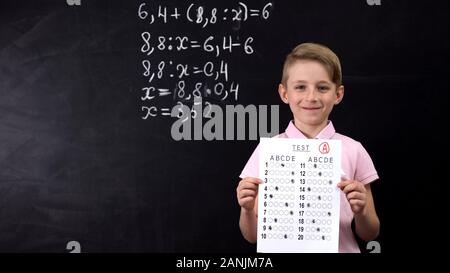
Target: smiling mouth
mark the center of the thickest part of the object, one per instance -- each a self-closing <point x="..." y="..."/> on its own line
<point x="311" y="108"/>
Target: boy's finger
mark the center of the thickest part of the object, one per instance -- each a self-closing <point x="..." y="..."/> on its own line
<point x="349" y="188"/>
<point x="253" y="180"/>
<point x="343" y="184"/>
<point x="247" y="192"/>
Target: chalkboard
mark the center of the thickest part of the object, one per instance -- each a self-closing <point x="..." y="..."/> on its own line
<point x="88" y="160"/>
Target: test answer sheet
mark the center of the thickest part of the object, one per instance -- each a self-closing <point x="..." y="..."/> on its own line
<point x="299" y="201"/>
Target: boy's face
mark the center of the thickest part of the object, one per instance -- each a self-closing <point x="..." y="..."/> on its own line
<point x="310" y="94"/>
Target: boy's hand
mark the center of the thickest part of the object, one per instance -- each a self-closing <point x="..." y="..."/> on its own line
<point x="356" y="194"/>
<point x="246" y="192"/>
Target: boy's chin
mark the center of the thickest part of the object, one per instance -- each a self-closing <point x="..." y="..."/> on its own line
<point x="313" y="121"/>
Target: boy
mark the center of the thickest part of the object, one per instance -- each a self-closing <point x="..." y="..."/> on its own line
<point x="312" y="85"/>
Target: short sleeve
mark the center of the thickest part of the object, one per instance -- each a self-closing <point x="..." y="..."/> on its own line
<point x="365" y="169"/>
<point x="251" y="169"/>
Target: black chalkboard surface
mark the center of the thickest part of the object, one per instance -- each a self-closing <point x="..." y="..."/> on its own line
<point x="86" y="151"/>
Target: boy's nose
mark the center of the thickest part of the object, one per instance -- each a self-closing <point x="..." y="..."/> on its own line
<point x="311" y="95"/>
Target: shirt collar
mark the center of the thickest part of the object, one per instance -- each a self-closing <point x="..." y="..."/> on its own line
<point x="326" y="133"/>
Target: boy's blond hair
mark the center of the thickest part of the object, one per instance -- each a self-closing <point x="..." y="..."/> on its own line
<point x="314" y="52"/>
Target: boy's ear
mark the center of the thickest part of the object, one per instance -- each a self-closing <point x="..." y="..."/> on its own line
<point x="339" y="94"/>
<point x="283" y="93"/>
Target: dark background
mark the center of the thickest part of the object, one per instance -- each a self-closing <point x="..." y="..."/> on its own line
<point x="77" y="162"/>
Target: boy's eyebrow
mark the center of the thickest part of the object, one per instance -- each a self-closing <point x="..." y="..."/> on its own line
<point x="324" y="81"/>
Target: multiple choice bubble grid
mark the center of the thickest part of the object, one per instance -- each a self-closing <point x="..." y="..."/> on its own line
<point x="293" y="212"/>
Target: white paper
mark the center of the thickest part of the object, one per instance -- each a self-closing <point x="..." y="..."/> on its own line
<point x="299" y="201"/>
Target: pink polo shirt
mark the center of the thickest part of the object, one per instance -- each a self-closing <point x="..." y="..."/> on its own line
<point x="356" y="163"/>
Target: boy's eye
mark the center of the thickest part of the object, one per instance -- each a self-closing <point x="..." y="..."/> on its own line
<point x="300" y="87"/>
<point x="323" y="88"/>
